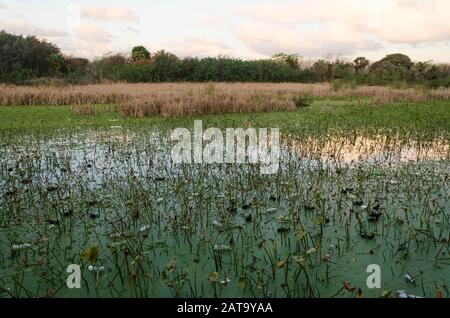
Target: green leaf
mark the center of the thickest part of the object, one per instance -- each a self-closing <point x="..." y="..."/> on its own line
<point x="242" y="282"/>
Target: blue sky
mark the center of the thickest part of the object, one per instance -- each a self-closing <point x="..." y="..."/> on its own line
<point x="245" y="29"/>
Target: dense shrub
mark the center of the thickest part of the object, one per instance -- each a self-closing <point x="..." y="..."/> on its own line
<point x="22" y="58"/>
<point x="25" y="58"/>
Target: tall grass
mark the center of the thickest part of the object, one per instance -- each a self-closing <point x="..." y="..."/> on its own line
<point x="172" y="100"/>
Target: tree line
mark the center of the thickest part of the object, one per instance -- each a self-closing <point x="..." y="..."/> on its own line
<point x="25" y="60"/>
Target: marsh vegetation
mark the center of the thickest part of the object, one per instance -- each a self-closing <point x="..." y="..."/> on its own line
<point x="358" y="184"/>
<point x="187" y="99"/>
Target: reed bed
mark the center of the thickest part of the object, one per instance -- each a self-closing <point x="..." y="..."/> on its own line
<point x="181" y="99"/>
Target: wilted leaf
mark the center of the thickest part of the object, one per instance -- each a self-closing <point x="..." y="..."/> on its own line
<point x="281" y="264"/>
<point x="171" y="266"/>
<point x="91" y="254"/>
<point x="359" y="294"/>
<point x="213" y="277"/>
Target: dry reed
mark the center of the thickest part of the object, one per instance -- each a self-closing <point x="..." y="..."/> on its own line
<point x="172" y="100"/>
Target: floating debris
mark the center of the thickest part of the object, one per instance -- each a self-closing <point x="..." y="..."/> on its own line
<point x="68" y="213"/>
<point x="409" y="279"/>
<point x="374" y="216"/>
<point x="225" y="281"/>
<point x="52" y="189"/>
<point x="368" y="236"/>
<point x="52" y="222"/>
<point x="246" y="206"/>
<point x="403" y="294"/>
<point x="94" y="216"/>
<point x="283" y="230"/>
<point x="92" y="203"/>
<point x="232" y="210"/>
<point x="347" y="191"/>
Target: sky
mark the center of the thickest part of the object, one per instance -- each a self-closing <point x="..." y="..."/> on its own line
<point x="248" y="29"/>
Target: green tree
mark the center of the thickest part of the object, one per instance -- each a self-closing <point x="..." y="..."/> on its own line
<point x="27" y="56"/>
<point x="77" y="63"/>
<point x="60" y="64"/>
<point x="360" y="64"/>
<point x="398" y="60"/>
<point x="166" y="66"/>
<point x="322" y="70"/>
<point x="139" y="54"/>
<point x="394" y="68"/>
<point x="342" y="70"/>
<point x="290" y="59"/>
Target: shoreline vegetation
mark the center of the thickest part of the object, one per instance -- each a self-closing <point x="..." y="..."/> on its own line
<point x="32" y="61"/>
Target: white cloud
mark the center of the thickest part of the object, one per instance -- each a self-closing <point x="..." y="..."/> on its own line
<point x="312" y="28"/>
<point x="267" y="38"/>
<point x="72" y="45"/>
<point x="109" y="13"/>
<point x="205" y="47"/>
<point x="92" y="33"/>
<point x="315" y="27"/>
<point x="25" y="28"/>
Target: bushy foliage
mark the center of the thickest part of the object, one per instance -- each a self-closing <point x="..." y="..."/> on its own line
<point x="139" y="54"/>
<point x="25" y="58"/>
<point x="22" y="58"/>
<point x="290" y="59"/>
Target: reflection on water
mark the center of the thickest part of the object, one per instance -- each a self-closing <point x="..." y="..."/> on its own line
<point x="376" y="149"/>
